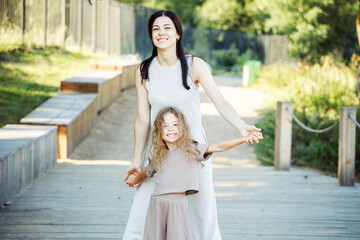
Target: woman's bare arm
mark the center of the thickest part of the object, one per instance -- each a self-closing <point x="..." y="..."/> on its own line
<point x="203" y="75"/>
<point x="142" y="126"/>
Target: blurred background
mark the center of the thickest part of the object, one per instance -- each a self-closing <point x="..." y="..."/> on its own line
<point x="304" y="51"/>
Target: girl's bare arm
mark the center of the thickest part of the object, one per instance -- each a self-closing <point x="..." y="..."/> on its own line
<point x="226" y="145"/>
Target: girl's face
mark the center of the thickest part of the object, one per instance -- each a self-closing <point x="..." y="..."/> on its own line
<point x="170" y="131"/>
<point x="164" y="33"/>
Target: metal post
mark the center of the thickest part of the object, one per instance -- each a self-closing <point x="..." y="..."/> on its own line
<point x="346" y="170"/>
<point x="282" y="159"/>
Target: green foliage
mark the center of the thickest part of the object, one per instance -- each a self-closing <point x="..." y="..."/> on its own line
<point x="265" y="150"/>
<point x="185" y="9"/>
<point x="317" y="93"/>
<point x="232" y="15"/>
<point x="315" y="28"/>
<point x="30" y="76"/>
<point x="225" y="57"/>
<point x="132" y="1"/>
<point x="228" y="60"/>
<point x="246" y="56"/>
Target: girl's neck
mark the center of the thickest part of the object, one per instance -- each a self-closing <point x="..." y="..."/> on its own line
<point x="170" y="146"/>
<point x="166" y="57"/>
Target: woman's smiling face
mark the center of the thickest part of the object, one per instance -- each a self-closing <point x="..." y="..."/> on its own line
<point x="164" y="33"/>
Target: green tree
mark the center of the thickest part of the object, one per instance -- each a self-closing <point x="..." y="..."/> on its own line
<point x="233" y="15"/>
<point x="315" y="28"/>
<point x="185" y="9"/>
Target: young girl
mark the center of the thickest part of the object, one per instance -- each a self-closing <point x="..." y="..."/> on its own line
<point x="175" y="156"/>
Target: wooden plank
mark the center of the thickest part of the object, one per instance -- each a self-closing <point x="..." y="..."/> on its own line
<point x="62" y="142"/>
<point x="78" y="87"/>
<point x="113" y="64"/>
<point x="62" y="109"/>
<point x="75" y="114"/>
<point x="104" y="82"/>
<point x="126" y="66"/>
<point x="65" y="202"/>
<point x="128" y="76"/>
<point x="25" y="152"/>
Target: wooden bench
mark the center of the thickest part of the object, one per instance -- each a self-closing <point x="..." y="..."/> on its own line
<point x="106" y="83"/>
<point x="73" y="113"/>
<point x="126" y="66"/>
<point x="25" y="153"/>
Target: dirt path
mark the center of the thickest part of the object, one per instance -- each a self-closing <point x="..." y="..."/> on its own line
<point x="112" y="137"/>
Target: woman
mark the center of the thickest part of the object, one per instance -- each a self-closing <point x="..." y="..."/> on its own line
<point x="171" y="78"/>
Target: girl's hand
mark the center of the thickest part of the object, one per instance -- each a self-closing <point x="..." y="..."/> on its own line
<point x="131" y="180"/>
<point x="132" y="169"/>
<point x="252" y="133"/>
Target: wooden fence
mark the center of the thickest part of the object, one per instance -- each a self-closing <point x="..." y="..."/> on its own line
<point x="116" y="28"/>
<point x="347" y="140"/>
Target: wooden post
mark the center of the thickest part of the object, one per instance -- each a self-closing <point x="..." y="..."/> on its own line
<point x="107" y="27"/>
<point x="283" y="136"/>
<point x="245" y="76"/>
<point x="22" y="21"/>
<point x="63" y="21"/>
<point x="45" y="23"/>
<point x="346" y="170"/>
<point x="80" y="23"/>
<point x="94" y="21"/>
<point x="118" y="30"/>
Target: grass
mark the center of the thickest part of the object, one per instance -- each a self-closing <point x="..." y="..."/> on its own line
<point x="31" y="75"/>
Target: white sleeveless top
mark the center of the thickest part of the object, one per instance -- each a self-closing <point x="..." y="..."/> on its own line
<point x="165" y="88"/>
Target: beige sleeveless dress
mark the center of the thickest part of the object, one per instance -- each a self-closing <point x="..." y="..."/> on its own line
<point x="165" y="88"/>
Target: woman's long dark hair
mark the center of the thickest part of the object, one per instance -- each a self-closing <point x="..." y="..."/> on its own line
<point x="180" y="52"/>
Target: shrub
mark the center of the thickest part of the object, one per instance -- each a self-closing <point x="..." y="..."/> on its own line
<point x="317" y="93"/>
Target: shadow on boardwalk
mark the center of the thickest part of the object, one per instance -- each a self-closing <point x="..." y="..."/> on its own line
<point x="84" y="198"/>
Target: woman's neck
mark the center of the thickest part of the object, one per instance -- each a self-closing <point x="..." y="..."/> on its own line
<point x="166" y="58"/>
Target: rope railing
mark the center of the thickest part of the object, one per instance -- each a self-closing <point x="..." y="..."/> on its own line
<point x="347" y="140"/>
<point x="307" y="128"/>
<point x="352" y="118"/>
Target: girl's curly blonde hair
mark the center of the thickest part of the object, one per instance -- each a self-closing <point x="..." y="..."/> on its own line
<point x="158" y="147"/>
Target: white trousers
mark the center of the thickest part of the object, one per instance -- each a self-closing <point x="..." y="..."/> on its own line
<point x="203" y="224"/>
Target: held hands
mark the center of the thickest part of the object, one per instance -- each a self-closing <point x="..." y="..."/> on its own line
<point x="252" y="134"/>
<point x="130" y="175"/>
<point x="131" y="181"/>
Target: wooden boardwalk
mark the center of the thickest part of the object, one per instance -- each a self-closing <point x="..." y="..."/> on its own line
<point x="89" y="201"/>
<point x="86" y="199"/>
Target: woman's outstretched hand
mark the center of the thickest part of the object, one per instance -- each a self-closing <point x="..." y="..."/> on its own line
<point x="256" y="133"/>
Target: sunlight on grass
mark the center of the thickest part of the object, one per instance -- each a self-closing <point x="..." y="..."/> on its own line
<point x="29" y="76"/>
